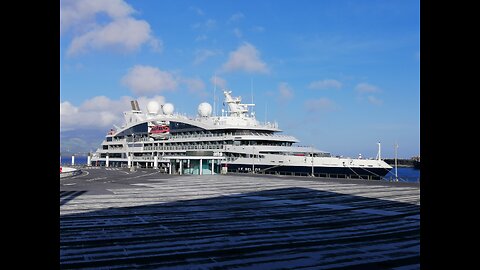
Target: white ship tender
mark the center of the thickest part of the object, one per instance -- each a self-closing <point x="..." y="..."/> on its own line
<point x="232" y="142"/>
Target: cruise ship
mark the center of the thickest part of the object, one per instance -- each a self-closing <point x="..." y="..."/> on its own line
<point x="234" y="141"/>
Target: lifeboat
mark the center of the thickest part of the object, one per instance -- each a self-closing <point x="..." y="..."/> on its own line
<point x="160" y="132"/>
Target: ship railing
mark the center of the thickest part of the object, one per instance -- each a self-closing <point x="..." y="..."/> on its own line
<point x="115" y="148"/>
<point x="206" y="135"/>
<point x="271" y="171"/>
<point x="186" y="147"/>
<point x="143" y="158"/>
<point x="215" y="135"/>
<point x="137" y="139"/>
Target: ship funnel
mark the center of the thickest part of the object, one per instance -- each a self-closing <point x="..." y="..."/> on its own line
<point x="134" y="105"/>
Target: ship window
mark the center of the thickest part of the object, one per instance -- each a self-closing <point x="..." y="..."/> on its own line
<point x="109" y="139"/>
<point x="183" y="127"/>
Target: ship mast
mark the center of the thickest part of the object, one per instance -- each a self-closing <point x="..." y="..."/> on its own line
<point x="379" y="154"/>
<point x="236" y="108"/>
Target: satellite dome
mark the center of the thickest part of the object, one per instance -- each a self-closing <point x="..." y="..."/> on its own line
<point x="168" y="108"/>
<point x="204" y="109"/>
<point x="153" y="107"/>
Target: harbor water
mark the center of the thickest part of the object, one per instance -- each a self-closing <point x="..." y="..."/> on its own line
<point x="405" y="174"/>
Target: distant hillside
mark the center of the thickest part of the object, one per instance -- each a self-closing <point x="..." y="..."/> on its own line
<point x="80" y="141"/>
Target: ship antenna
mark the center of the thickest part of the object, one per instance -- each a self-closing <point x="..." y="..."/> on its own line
<point x="266" y="112"/>
<point x="251" y="88"/>
<point x="379" y="154"/>
<point x="251" y="92"/>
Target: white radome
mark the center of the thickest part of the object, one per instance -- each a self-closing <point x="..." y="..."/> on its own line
<point x="168" y="108"/>
<point x="153" y="107"/>
<point x="204" y="109"/>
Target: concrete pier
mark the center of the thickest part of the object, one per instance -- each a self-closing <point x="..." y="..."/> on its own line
<point x="111" y="218"/>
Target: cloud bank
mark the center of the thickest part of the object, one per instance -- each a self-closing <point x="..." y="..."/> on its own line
<point x="99" y="112"/>
<point x="245" y="58"/>
<point x="367" y="88"/>
<point x="145" y="80"/>
<point x="82" y="18"/>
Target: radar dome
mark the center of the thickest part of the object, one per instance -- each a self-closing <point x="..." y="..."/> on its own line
<point x="204" y="109"/>
<point x="168" y="108"/>
<point x="153" y="107"/>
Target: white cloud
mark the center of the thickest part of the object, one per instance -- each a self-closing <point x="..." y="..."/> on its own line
<point x="121" y="32"/>
<point x="79" y="13"/>
<point x="375" y="101"/>
<point x="145" y="80"/>
<point x="245" y="58"/>
<point x="219" y="81"/>
<point x="325" y="84"/>
<point x="202" y="55"/>
<point x="313" y="105"/>
<point x="99" y="112"/>
<point x="100" y="103"/>
<point x="66" y="108"/>
<point x="285" y="91"/>
<point x="367" y="88"/>
<point x="236" y="17"/>
<point x="125" y="35"/>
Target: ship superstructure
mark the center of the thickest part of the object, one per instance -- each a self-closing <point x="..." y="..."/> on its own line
<point x="235" y="141"/>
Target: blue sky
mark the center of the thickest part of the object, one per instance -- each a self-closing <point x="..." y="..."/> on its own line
<point x="339" y="75"/>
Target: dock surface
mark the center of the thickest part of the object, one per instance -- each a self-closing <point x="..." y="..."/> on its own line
<point x="112" y="218"/>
